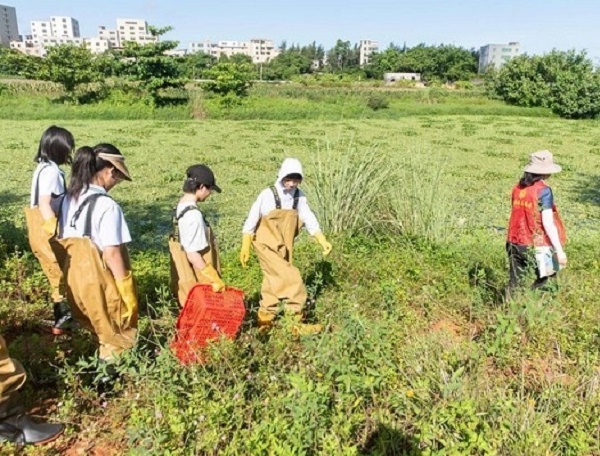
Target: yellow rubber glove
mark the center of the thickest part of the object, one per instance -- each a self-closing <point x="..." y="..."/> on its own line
<point x="213" y="276"/>
<point x="245" y="251"/>
<point x="49" y="225"/>
<point x="320" y="237"/>
<point x="126" y="289"/>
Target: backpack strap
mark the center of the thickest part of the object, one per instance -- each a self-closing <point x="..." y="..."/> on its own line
<point x="91" y="202"/>
<point x="296" y="199"/>
<point x="176" y="219"/>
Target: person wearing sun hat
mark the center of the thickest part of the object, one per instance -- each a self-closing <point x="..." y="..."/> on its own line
<point x="536" y="235"/>
<point x="193" y="247"/>
<point x="93" y="235"/>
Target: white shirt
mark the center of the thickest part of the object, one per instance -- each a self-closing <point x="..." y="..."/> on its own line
<point x="265" y="203"/>
<point x="49" y="180"/>
<point x="192" y="229"/>
<point x="109" y="227"/>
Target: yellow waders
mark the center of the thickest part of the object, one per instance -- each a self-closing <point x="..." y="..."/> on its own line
<point x="183" y="276"/>
<point x="40" y="246"/>
<point x="12" y="377"/>
<point x="91" y="290"/>
<point x="273" y="244"/>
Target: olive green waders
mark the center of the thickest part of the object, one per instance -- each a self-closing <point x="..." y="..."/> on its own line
<point x="273" y="244"/>
<point x="91" y="290"/>
<point x="183" y="276"/>
<point x="40" y="246"/>
<point x="12" y="377"/>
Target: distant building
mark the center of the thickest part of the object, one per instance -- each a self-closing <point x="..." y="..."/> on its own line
<point x="135" y="30"/>
<point x="366" y="49"/>
<point x="64" y="27"/>
<point x="57" y="26"/>
<point x="40" y="29"/>
<point x="176" y="52"/>
<point x="112" y="36"/>
<point x="258" y="49"/>
<point x="393" y="77"/>
<point x="9" y="29"/>
<point x="206" y="47"/>
<point x="496" y="55"/>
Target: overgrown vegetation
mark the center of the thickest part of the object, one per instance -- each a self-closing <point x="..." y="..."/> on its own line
<point x="420" y="355"/>
<point x="565" y="82"/>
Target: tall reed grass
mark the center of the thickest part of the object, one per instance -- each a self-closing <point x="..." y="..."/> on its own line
<point x="420" y="204"/>
<point x="357" y="188"/>
<point x="346" y="185"/>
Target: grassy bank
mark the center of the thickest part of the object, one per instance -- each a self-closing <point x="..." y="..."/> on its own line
<point x="420" y="354"/>
<point x="24" y="100"/>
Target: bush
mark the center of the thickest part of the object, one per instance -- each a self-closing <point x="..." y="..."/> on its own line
<point x="377" y="102"/>
<point x="565" y="82"/>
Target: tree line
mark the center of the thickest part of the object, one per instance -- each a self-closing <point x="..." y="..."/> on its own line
<point x="566" y="82"/>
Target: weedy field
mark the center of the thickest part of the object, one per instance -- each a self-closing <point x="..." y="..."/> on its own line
<point x="421" y="354"/>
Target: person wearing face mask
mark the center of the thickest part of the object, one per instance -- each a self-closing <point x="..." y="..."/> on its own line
<point x="193" y="248"/>
<point x="93" y="236"/>
<point x="271" y="227"/>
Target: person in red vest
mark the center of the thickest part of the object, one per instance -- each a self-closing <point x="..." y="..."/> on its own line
<point x="536" y="235"/>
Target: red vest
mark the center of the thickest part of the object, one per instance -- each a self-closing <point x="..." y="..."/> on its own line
<point x="525" y="225"/>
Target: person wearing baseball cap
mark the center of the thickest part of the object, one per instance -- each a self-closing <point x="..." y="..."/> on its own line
<point x="193" y="247"/>
<point x="536" y="234"/>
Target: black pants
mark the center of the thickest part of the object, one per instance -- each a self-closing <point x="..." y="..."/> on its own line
<point x="521" y="259"/>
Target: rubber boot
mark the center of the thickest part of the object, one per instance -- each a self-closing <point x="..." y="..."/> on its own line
<point x="264" y="321"/>
<point x="299" y="328"/>
<point x="63" y="321"/>
<point x="17" y="427"/>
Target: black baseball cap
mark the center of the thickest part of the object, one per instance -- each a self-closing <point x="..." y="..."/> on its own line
<point x="202" y="174"/>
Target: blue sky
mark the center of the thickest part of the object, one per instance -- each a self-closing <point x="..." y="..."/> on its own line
<point x="539" y="25"/>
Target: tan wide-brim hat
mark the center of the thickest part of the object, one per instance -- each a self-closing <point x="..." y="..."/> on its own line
<point x="118" y="161"/>
<point x="542" y="162"/>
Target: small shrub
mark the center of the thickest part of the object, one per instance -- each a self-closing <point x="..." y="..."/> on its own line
<point x="377" y="102"/>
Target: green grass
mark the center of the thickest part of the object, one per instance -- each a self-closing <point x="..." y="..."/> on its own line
<point x="36" y="100"/>
<point x="420" y="355"/>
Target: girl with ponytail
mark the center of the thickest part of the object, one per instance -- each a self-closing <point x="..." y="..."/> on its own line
<point x="94" y="234"/>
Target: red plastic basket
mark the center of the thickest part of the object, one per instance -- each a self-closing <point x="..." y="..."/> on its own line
<point x="206" y="316"/>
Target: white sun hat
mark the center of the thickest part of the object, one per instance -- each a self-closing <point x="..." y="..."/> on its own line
<point x="542" y="162"/>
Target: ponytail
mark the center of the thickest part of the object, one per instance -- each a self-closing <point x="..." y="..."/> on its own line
<point x="85" y="166"/>
<point x="82" y="172"/>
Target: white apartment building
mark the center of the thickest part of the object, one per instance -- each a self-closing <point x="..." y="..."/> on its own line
<point x="65" y="27"/>
<point x="57" y="26"/>
<point x="97" y="45"/>
<point x="206" y="46"/>
<point x="259" y="49"/>
<point x="112" y="36"/>
<point x="41" y="29"/>
<point x="262" y="50"/>
<point x="134" y="30"/>
<point x="9" y="29"/>
<point x="496" y="55"/>
<point x="366" y="49"/>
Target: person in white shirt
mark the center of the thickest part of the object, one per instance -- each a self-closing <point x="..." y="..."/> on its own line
<point x="94" y="234"/>
<point x="193" y="249"/>
<point x="55" y="149"/>
<point x="273" y="223"/>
